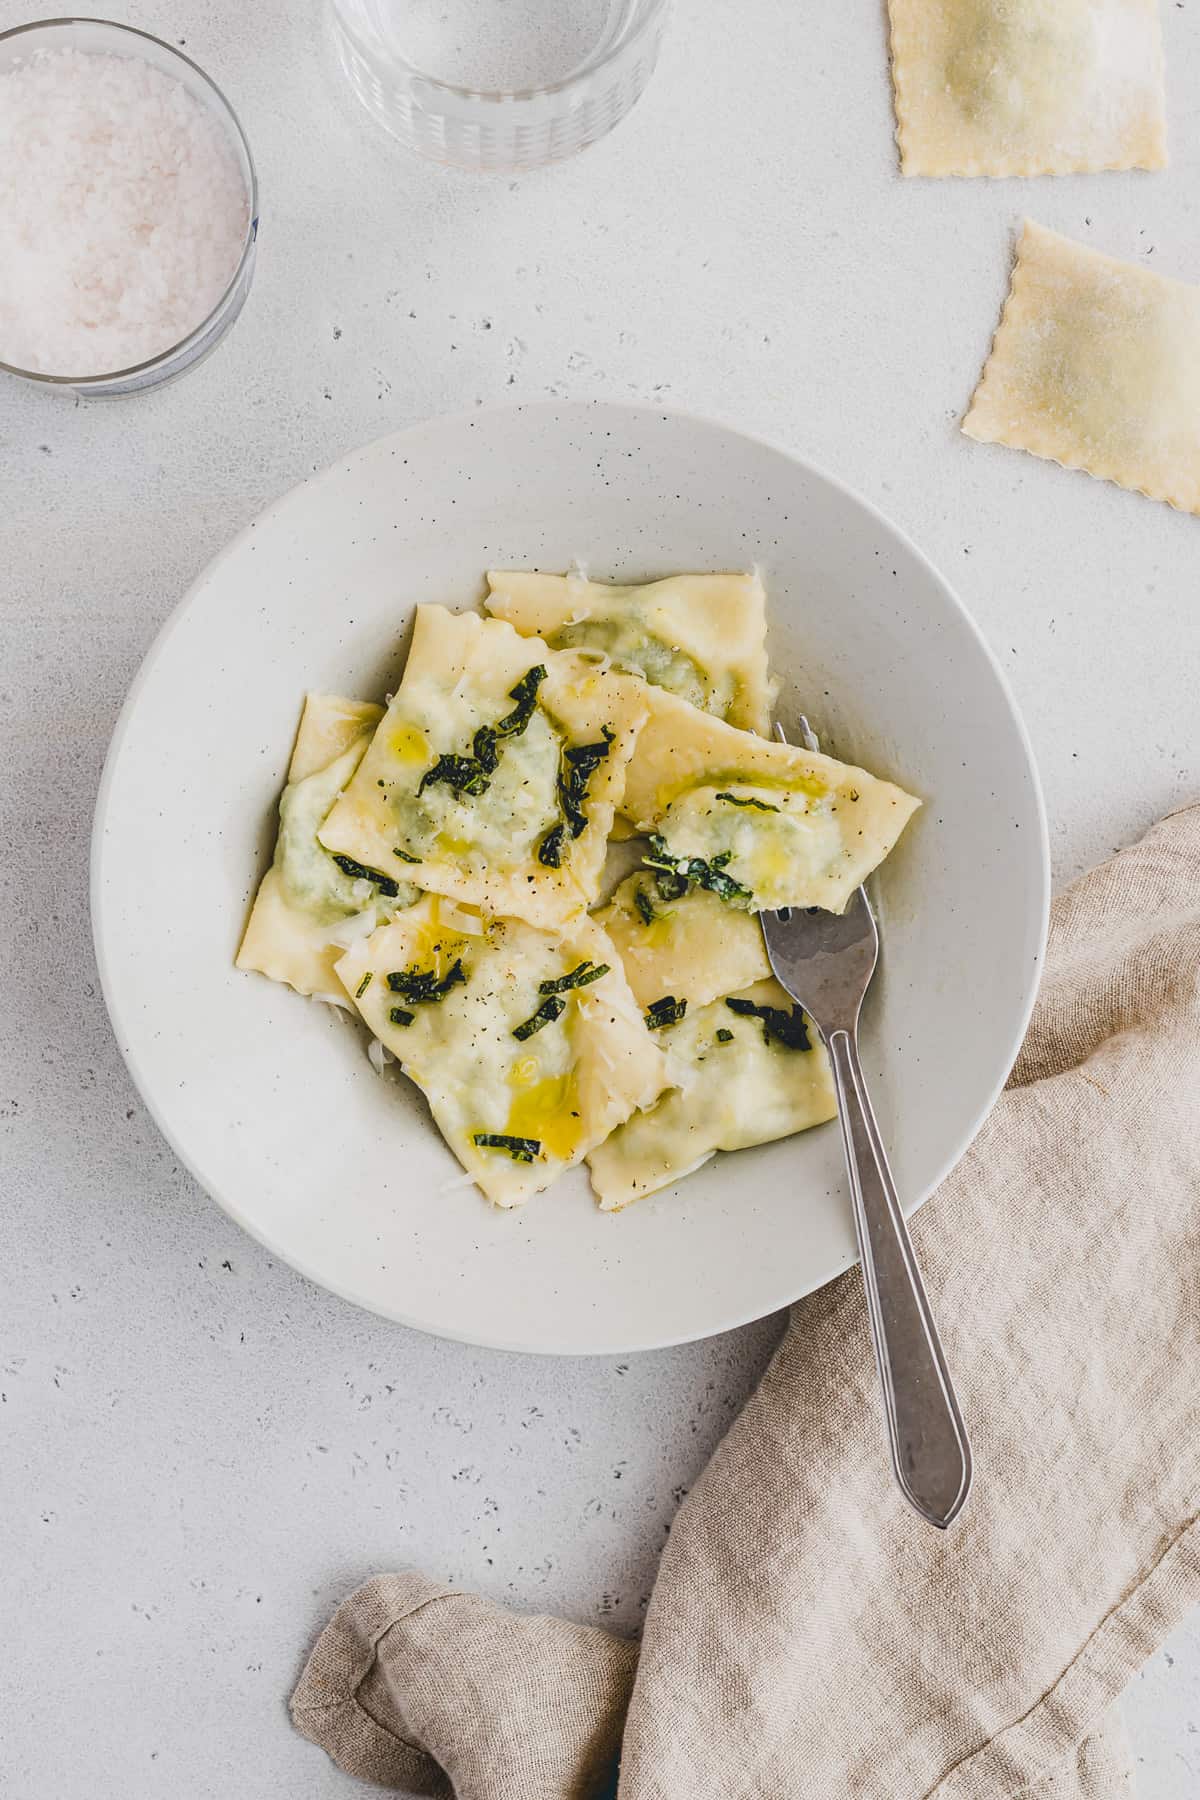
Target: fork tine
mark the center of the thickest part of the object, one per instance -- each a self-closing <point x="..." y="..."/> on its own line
<point x="808" y="736"/>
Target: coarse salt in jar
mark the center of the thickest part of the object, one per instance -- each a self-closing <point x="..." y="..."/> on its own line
<point x="128" y="209"/>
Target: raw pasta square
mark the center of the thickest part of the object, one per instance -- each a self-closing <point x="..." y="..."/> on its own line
<point x="1096" y="365"/>
<point x="1027" y="87"/>
<point x="527" y="1044"/>
<point x="495" y="772"/>
<point x="703" y="637"/>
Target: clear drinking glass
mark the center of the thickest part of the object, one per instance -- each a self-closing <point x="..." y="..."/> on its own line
<point x="125" y="40"/>
<point x="499" y="85"/>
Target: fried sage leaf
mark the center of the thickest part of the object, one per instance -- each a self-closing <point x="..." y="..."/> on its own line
<point x="787" y="1028"/>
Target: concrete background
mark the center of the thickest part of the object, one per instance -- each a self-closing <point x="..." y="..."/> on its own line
<point x="201" y="1452"/>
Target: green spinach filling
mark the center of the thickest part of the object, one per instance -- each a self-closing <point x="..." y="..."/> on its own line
<point x="632" y="646"/>
<point x="324" y="886"/>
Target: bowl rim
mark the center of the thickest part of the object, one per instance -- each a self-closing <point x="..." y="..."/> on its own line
<point x="402" y="1316"/>
<point x="655" y="12"/>
<point x="224" y="105"/>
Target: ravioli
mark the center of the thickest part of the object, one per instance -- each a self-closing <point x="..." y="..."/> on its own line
<point x="527" y="1044"/>
<point x="305" y="899"/>
<point x="763" y="824"/>
<point x="494" y="774"/>
<point x="1096" y="365"/>
<point x="702" y="637"/>
<point x="735" y="1082"/>
<point x="1028" y="87"/>
<point x="693" y="947"/>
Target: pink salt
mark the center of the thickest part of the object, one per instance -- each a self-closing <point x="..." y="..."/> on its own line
<point x="123" y="212"/>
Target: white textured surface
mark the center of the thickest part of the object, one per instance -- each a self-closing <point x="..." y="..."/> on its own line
<point x="199" y="1460"/>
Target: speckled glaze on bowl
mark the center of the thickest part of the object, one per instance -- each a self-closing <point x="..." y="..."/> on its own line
<point x="270" y="1100"/>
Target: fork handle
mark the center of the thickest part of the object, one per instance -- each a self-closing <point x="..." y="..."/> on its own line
<point x="930" y="1453"/>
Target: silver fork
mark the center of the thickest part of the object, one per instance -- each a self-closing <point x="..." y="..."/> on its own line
<point x="826" y="961"/>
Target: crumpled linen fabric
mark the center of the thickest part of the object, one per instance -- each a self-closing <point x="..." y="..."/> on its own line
<point x="808" y="1635"/>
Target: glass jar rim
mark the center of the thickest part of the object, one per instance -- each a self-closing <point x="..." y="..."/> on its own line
<point x="654" y="10"/>
<point x="183" y="343"/>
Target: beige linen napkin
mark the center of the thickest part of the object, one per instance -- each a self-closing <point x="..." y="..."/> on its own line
<point x="808" y="1635"/>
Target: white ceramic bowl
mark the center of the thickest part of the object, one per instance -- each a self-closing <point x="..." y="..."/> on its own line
<point x="270" y="1100"/>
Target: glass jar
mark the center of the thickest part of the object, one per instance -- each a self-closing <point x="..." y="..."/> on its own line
<point x="102" y="36"/>
<point x="498" y="87"/>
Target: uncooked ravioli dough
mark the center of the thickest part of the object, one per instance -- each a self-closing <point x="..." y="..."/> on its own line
<point x="734" y="1084"/>
<point x="463" y="785"/>
<point x="1027" y="87"/>
<point x="462" y="1011"/>
<point x="784" y="826"/>
<point x="702" y="637"/>
<point x="296" y="931"/>
<point x="1096" y="365"/>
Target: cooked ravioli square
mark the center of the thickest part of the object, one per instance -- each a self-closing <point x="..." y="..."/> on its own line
<point x="703" y="637"/>
<point x="1096" y="365"/>
<point x="527" y="1044"/>
<point x="495" y="772"/>
<point x="745" y="1069"/>
<point x="758" y="823"/>
<point x="297" y="929"/>
<point x="1027" y="87"/>
<point x="690" y="946"/>
<point x="745" y="1064"/>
